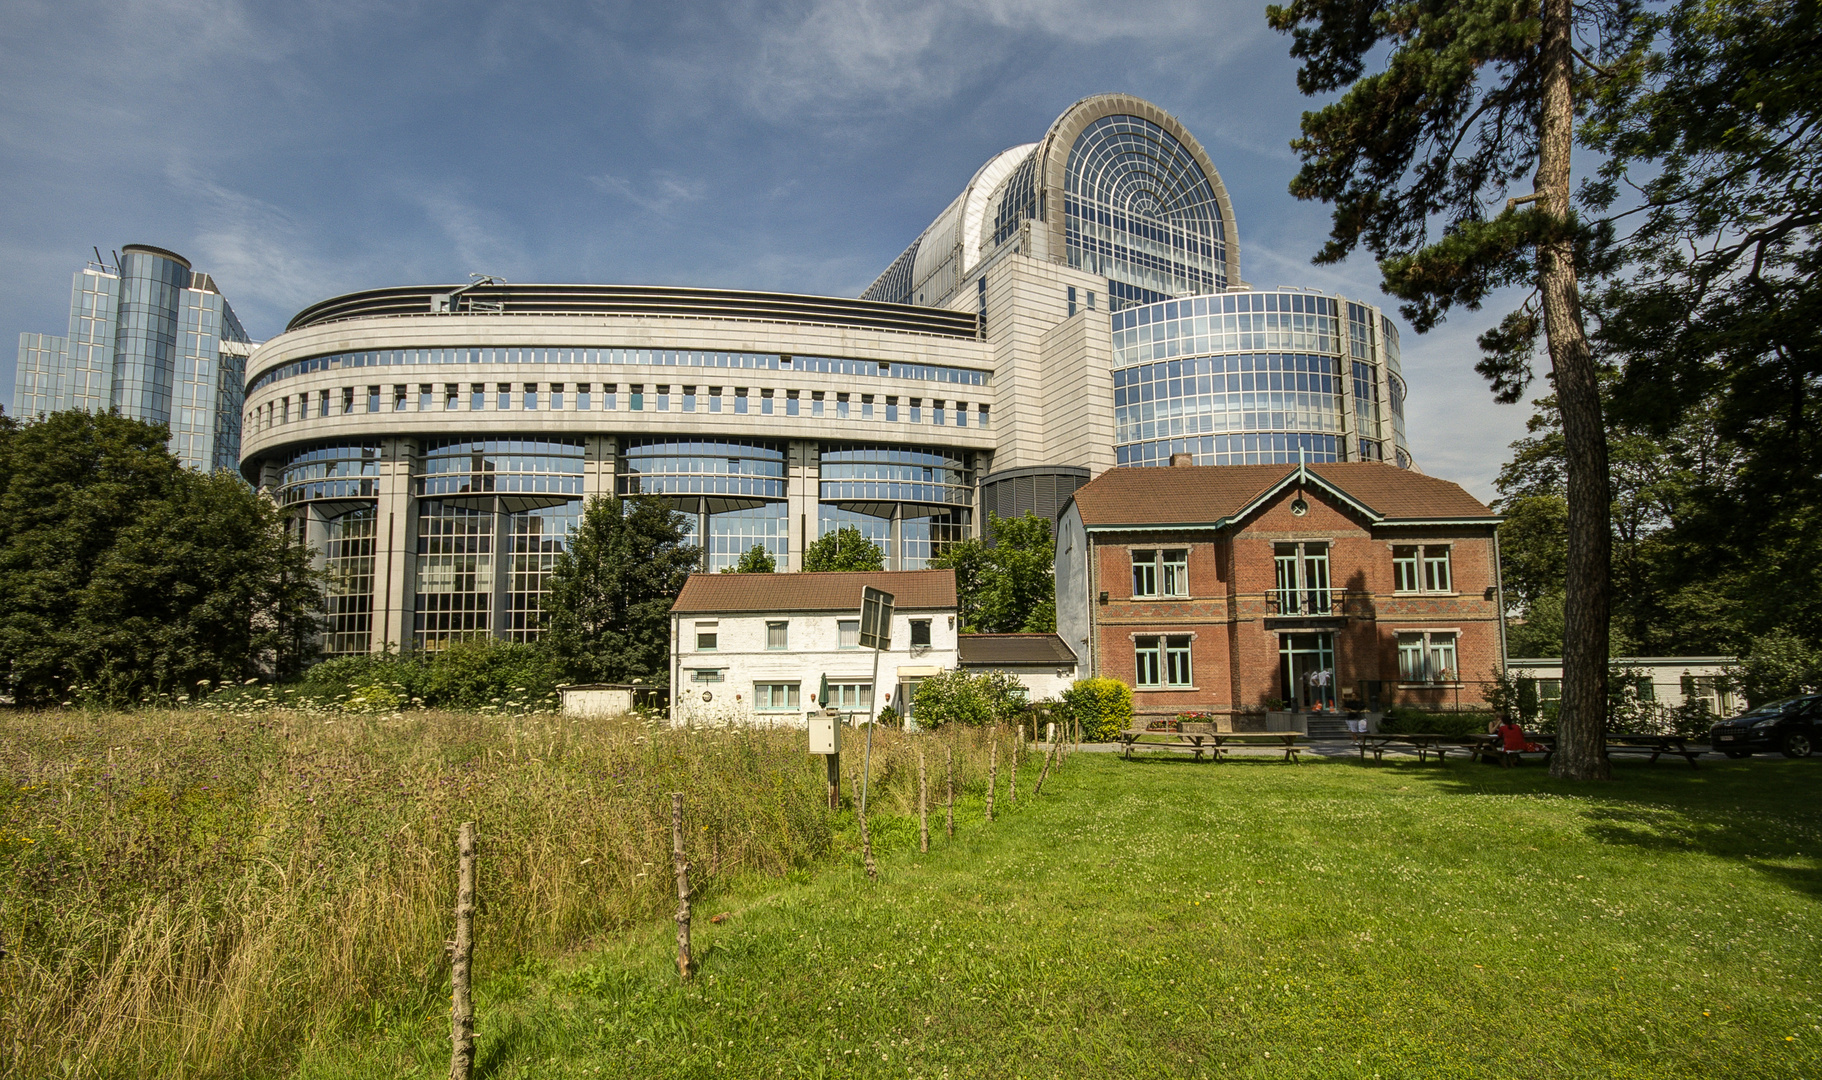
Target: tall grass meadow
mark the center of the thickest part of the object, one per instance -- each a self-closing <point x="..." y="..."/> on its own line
<point x="204" y="892"/>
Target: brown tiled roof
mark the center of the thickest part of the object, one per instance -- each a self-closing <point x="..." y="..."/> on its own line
<point x="1208" y="494"/>
<point x="990" y="649"/>
<point x="912" y="590"/>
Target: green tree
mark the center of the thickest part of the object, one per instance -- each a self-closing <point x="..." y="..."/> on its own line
<point x="1473" y="97"/>
<point x="207" y="583"/>
<point x="754" y="560"/>
<point x="1777" y="665"/>
<point x="971" y="699"/>
<point x="1006" y="584"/>
<point x="122" y="574"/>
<point x="843" y="549"/>
<point x="606" y="610"/>
<point x="1719" y="321"/>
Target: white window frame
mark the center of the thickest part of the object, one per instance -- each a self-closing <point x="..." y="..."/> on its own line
<point x="1413" y="575"/>
<point x="1160" y="571"/>
<point x="1295" y="576"/>
<point x="1145" y="572"/>
<point x="784" y="635"/>
<point x="777" y="696"/>
<point x="1148" y="660"/>
<point x="1431" y="646"/>
<point x="1173" y="571"/>
<point x="850" y="697"/>
<point x="847" y="633"/>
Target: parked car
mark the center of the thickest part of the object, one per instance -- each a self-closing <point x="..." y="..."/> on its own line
<point x="1792" y="726"/>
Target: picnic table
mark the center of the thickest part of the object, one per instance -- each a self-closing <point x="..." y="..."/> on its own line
<point x="1655" y="745"/>
<point x="1489" y="747"/>
<point x="1424" y="744"/>
<point x="1286" y="739"/>
<point x="1217" y="744"/>
<point x="1197" y="742"/>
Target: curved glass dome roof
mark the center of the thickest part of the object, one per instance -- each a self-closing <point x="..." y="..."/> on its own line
<point x="1116" y="187"/>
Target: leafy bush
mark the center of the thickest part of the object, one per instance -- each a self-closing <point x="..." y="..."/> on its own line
<point x="1422" y="722"/>
<point x="1692" y="719"/>
<point x="959" y="697"/>
<point x="1102" y="706"/>
<point x="477" y="674"/>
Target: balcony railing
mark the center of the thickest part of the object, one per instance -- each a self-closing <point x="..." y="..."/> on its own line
<point x="1310" y="602"/>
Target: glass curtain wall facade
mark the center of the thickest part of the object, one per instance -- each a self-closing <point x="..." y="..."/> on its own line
<point x="911" y="501"/>
<point x="1139" y="212"/>
<point x="1247" y="378"/>
<point x="154" y="339"/>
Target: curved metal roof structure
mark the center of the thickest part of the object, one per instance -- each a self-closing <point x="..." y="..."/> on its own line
<point x="1116" y="186"/>
<point x="648" y="300"/>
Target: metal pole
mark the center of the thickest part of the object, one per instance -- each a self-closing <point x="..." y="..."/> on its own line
<point x="866" y="772"/>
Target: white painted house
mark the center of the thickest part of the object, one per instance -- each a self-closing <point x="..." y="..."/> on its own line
<point x="772" y="647"/>
<point x="1042" y="663"/>
<point x="1666" y="681"/>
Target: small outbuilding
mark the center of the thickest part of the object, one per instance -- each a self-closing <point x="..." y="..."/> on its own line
<point x="1043" y="663"/>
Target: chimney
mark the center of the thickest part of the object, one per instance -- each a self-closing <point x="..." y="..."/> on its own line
<point x="1182" y="459"/>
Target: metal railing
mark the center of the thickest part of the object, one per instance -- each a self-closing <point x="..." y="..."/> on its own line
<point x="1315" y="602"/>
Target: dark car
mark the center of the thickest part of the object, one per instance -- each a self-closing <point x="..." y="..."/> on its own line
<point x="1793" y="727"/>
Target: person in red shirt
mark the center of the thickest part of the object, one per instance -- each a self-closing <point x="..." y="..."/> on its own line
<point x="1512" y="737"/>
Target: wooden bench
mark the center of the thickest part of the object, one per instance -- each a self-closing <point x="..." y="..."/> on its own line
<point x="1287" y="739"/>
<point x="1424" y="745"/>
<point x="1217" y="744"/>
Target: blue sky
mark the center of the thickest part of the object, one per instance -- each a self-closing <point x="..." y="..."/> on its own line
<point x="300" y="150"/>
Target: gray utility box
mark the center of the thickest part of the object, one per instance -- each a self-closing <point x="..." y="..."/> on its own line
<point x="825" y="733"/>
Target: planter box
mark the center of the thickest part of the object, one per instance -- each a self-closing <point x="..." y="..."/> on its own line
<point x="1287" y="721"/>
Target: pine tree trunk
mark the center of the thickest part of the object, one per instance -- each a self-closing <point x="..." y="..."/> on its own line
<point x="1582" y="728"/>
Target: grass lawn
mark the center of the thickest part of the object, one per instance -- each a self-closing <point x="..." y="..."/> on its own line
<point x="1166" y="918"/>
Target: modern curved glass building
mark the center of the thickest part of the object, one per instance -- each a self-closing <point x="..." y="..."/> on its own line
<point x="1078" y="306"/>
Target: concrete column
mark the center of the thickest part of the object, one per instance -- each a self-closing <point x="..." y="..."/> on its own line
<point x="598" y="462"/>
<point x="396" y="545"/>
<point x="702" y="529"/>
<point x="502" y="568"/>
<point x="894" y="558"/>
<point x="803" y="488"/>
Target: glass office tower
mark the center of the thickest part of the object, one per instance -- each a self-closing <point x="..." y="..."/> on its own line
<point x="154" y="339"/>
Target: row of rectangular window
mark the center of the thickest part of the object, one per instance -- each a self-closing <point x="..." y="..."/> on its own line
<point x="774" y="696"/>
<point x="1302" y="572"/>
<point x="1163" y="661"/>
<point x="777" y="634"/>
<point x="827" y="365"/>
<point x="557" y="397"/>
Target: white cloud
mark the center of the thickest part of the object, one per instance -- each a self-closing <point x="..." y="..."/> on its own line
<point x="839" y="55"/>
<point x="660" y="192"/>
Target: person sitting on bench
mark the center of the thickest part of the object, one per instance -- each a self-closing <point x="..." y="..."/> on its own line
<point x="1512" y="737"/>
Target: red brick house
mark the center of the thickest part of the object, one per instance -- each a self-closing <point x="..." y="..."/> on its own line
<point x="1233" y="589"/>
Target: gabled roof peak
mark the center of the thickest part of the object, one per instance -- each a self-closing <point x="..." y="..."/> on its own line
<point x="1207" y="496"/>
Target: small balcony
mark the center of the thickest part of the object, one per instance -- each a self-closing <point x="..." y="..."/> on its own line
<point x="1305" y="609"/>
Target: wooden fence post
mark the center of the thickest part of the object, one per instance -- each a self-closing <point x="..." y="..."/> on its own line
<point x="923" y="804"/>
<point x="993" y="775"/>
<point x="1048" y="754"/>
<point x="1018" y="745"/>
<point x="461" y="1011"/>
<point x="682" y="866"/>
<point x="951" y="751"/>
